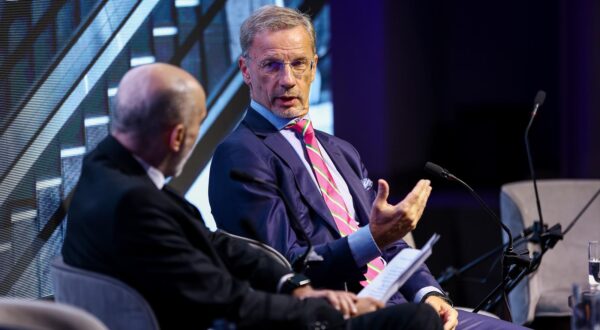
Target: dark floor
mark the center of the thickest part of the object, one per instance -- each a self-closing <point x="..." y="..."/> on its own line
<point x="551" y="323"/>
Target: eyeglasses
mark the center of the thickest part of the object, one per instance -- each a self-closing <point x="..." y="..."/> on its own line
<point x="274" y="67"/>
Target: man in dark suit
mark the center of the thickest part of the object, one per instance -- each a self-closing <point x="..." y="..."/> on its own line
<point x="350" y="224"/>
<point x="125" y="222"/>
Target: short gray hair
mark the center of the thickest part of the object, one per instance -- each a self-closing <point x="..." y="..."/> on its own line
<point x="274" y="18"/>
<point x="145" y="118"/>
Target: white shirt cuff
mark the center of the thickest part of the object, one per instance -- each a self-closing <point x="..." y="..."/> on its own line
<point x="421" y="293"/>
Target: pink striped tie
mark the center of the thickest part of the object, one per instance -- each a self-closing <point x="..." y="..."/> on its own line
<point x="333" y="198"/>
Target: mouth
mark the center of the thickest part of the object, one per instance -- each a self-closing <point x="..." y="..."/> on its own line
<point x="286" y="100"/>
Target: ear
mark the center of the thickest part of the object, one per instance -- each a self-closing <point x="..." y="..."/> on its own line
<point x="177" y="137"/>
<point x="313" y="71"/>
<point x="243" y="64"/>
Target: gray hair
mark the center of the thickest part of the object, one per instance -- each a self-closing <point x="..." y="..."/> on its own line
<point x="145" y="117"/>
<point x="274" y="18"/>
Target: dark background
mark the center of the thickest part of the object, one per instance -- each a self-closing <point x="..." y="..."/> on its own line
<point x="453" y="82"/>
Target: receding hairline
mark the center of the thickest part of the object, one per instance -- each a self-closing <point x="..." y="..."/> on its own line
<point x="146" y="89"/>
<point x="273" y="18"/>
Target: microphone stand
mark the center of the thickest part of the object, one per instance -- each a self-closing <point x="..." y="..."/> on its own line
<point x="512" y="260"/>
<point x="451" y="272"/>
<point x="516" y="264"/>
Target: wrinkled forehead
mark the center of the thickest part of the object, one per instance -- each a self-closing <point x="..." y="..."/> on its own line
<point x="294" y="42"/>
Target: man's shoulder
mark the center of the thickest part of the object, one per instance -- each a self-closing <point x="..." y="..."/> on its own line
<point x="341" y="144"/>
<point x="107" y="182"/>
<point x="241" y="134"/>
<point x="242" y="140"/>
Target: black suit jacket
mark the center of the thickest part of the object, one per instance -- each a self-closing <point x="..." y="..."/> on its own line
<point x="120" y="224"/>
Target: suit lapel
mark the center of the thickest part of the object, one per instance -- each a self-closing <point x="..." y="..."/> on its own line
<point x="281" y="147"/>
<point x="353" y="180"/>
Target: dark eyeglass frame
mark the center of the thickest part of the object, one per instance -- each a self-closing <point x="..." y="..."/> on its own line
<point x="273" y="67"/>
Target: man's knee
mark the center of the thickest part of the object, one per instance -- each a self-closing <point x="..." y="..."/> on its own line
<point x="414" y="316"/>
<point x="426" y="318"/>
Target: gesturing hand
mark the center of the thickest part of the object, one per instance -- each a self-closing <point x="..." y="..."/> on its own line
<point x="389" y="223"/>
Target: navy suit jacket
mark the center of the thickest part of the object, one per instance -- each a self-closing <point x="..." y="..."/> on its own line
<point x="258" y="149"/>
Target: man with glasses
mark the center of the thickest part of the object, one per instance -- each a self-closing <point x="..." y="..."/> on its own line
<point x="352" y="226"/>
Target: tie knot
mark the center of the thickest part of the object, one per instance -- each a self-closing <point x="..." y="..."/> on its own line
<point x="302" y="127"/>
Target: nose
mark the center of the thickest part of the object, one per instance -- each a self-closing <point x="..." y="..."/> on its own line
<point x="287" y="79"/>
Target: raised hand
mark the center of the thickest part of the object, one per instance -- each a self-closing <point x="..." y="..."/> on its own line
<point x="389" y="223"/>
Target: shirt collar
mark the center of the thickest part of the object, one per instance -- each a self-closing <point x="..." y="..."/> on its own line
<point x="278" y="122"/>
<point x="155" y="175"/>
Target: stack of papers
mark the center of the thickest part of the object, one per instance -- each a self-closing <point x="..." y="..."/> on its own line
<point x="397" y="272"/>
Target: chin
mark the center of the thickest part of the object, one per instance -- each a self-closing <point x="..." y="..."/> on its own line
<point x="290" y="112"/>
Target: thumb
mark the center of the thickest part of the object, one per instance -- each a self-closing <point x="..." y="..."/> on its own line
<point x="383" y="191"/>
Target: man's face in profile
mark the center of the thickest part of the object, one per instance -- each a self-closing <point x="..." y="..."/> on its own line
<point x="279" y="68"/>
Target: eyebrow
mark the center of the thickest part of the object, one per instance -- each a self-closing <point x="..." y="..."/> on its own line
<point x="273" y="58"/>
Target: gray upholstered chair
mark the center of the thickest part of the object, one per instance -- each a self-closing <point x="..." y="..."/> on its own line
<point x="34" y="315"/>
<point x="545" y="292"/>
<point x="112" y="301"/>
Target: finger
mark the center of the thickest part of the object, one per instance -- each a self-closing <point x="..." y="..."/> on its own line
<point x="351" y="295"/>
<point x="347" y="305"/>
<point x="353" y="307"/>
<point x="383" y="191"/>
<point x="454" y="318"/>
<point x="416" y="209"/>
<point x="333" y="299"/>
<point x="421" y="186"/>
<point x="378" y="303"/>
<point x="413" y="196"/>
<point x="450" y="317"/>
<point x="422" y="203"/>
<point x="424" y="195"/>
<point x="450" y="324"/>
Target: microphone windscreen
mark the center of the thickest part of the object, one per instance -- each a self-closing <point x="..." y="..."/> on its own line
<point x="540" y="97"/>
<point x="434" y="169"/>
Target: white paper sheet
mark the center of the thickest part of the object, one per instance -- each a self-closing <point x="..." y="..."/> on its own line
<point x="397" y="271"/>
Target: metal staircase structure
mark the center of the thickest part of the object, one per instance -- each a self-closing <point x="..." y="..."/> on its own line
<point x="60" y="64"/>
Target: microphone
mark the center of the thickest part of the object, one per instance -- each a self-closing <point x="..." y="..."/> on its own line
<point x="540" y="97"/>
<point x="539" y="100"/>
<point x="300" y="264"/>
<point x="437" y="170"/>
<point x="445" y="174"/>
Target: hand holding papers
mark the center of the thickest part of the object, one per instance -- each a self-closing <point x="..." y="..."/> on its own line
<point x="397" y="271"/>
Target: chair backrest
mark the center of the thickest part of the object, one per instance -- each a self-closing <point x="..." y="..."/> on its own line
<point x="545" y="292"/>
<point x="33" y="315"/>
<point x="269" y="251"/>
<point x="112" y="301"/>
